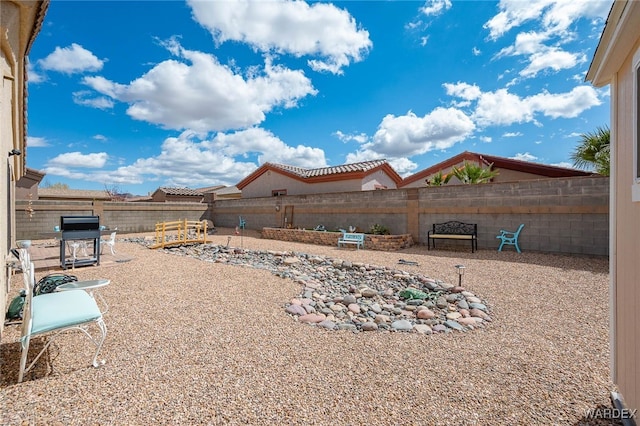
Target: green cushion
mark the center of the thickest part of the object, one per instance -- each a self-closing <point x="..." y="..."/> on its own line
<point x="58" y="310"/>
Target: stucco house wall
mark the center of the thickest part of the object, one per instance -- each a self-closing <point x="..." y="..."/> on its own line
<point x="19" y="23"/>
<point x="617" y="62"/>
<point x="272" y="180"/>
<point x="377" y="180"/>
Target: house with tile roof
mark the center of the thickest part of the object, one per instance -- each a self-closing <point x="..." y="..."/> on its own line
<point x="180" y="195"/>
<point x="220" y="192"/>
<point x="68" y="194"/>
<point x="509" y="170"/>
<point x="272" y="179"/>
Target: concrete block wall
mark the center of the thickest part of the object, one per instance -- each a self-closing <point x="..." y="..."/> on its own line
<point x="564" y="215"/>
<point x="560" y="215"/>
<point x="332" y="210"/>
<point x="127" y="217"/>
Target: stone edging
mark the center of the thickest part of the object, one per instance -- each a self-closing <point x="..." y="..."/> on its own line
<point x="371" y="242"/>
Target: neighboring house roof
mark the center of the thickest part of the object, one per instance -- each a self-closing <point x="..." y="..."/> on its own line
<point x="72" y="194"/>
<point x="139" y="198"/>
<point x="182" y="192"/>
<point x="227" y="190"/>
<point x="208" y="189"/>
<point x="617" y="40"/>
<point x="324" y="174"/>
<point x="543" y="170"/>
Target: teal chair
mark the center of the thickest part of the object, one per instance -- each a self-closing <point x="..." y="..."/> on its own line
<point x="510" y="238"/>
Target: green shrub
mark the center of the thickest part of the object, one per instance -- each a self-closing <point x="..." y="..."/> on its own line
<point x="378" y="229"/>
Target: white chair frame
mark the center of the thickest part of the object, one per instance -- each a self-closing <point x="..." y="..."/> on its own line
<point x="83" y="311"/>
<point x="111" y="242"/>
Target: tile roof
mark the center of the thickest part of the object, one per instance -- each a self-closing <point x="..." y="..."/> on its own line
<point x="543" y="170"/>
<point x="73" y="193"/>
<point x="181" y="191"/>
<point x="362" y="166"/>
<point x="325" y="174"/>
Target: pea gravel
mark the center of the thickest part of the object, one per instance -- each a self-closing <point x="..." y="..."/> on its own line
<point x="195" y="342"/>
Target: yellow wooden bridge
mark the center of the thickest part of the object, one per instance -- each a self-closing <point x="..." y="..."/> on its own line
<point x="180" y="232"/>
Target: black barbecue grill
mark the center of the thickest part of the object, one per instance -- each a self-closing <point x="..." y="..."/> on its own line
<point x="75" y="228"/>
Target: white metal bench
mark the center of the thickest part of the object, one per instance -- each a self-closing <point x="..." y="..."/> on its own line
<point x="352" y="238"/>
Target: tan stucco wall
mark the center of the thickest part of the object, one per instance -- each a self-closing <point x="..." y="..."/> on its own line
<point x="377" y="178"/>
<point x="626" y="283"/>
<point x="504" y="175"/>
<point x="17" y="22"/>
<point x="270" y="180"/>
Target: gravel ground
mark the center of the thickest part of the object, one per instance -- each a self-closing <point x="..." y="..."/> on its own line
<point x="193" y="342"/>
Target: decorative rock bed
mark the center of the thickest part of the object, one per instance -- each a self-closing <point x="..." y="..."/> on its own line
<point x="341" y="295"/>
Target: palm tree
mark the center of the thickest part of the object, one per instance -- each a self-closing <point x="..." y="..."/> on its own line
<point x="593" y="151"/>
<point x="472" y="173"/>
<point x="439" y="179"/>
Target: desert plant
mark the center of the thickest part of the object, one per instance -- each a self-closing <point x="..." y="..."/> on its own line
<point x="378" y="229"/>
<point x="439" y="179"/>
<point x="472" y="173"/>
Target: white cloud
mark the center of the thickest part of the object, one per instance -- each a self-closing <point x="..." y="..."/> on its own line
<point x="463" y="90"/>
<point x="36" y="142"/>
<point x="402" y="165"/>
<point x="34" y="76"/>
<point x="322" y="31"/>
<point x="524" y="157"/>
<point x="552" y="58"/>
<point x="357" y="137"/>
<point x="486" y="139"/>
<point x="100" y="138"/>
<point x="206" y="95"/>
<point x="270" y="147"/>
<point x="71" y="60"/>
<point x="564" y="164"/>
<point x="554" y="19"/>
<point x="476" y="51"/>
<point x="84" y="97"/>
<point x="407" y="135"/>
<point x="435" y="7"/>
<point x="192" y="160"/>
<point x="556" y="16"/>
<point x="77" y="159"/>
<point x="511" y="134"/>
<point x="501" y="108"/>
<point x="573" y="135"/>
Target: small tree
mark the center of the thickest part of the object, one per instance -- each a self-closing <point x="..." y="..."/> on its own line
<point x="472" y="173"/>
<point x="593" y="151"/>
<point x="114" y="192"/>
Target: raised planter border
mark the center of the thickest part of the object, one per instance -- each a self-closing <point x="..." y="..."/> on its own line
<point x="371" y="242"/>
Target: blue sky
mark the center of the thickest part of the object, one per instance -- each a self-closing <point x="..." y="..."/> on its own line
<point x="138" y="95"/>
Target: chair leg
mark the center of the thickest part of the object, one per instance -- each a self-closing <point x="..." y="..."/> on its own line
<point x="113" y="252"/>
<point x="23" y="357"/>
<point x="501" y="244"/>
<point x="517" y="247"/>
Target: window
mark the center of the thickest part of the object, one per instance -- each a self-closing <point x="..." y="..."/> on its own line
<point x="277" y="192"/>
